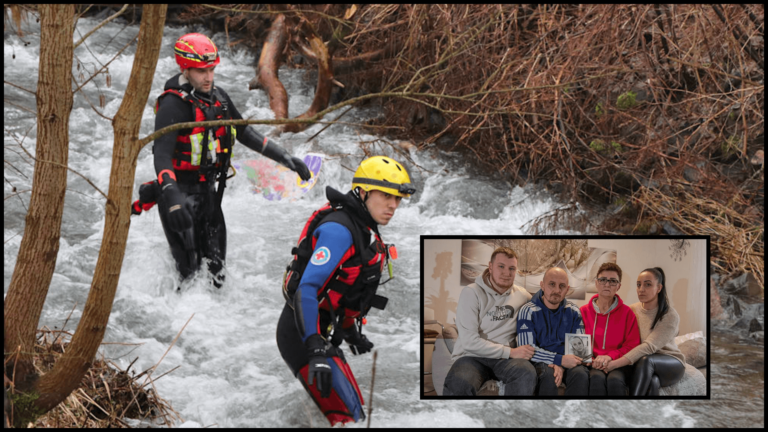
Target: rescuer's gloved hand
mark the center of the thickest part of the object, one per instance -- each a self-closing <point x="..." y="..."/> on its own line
<point x="300" y="168"/>
<point x="147" y="197"/>
<point x="319" y="368"/>
<point x="179" y="218"/>
<point x="278" y="154"/>
<point x="358" y="343"/>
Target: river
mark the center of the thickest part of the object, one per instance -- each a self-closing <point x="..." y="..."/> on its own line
<point x="230" y="372"/>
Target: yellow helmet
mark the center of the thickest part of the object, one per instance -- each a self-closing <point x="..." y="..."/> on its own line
<point x="383" y="174"/>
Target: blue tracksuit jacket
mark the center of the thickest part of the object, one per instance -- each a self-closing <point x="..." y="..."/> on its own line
<point x="545" y="329"/>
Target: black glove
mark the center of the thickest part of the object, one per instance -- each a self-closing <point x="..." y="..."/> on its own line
<point x="300" y="167"/>
<point x="147" y="196"/>
<point x="278" y="154"/>
<point x="179" y="218"/>
<point x="358" y="343"/>
<point x="318" y="365"/>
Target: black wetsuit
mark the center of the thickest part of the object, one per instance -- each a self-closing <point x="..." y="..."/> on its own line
<point x="208" y="235"/>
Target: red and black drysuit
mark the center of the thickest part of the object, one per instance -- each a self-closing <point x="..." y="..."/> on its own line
<point x="190" y="164"/>
<point x="331" y="284"/>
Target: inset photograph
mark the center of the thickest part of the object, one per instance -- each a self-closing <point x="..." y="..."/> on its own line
<point x="565" y="317"/>
<point x="579" y="345"/>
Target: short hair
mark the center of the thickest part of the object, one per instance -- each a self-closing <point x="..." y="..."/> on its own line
<point x="503" y="250"/>
<point x="610" y="266"/>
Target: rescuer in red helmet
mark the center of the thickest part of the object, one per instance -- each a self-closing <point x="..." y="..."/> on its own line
<point x="192" y="164"/>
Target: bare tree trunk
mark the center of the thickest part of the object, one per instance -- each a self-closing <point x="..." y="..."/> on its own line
<point x="269" y="62"/>
<point x="56" y="385"/>
<point x="69" y="370"/>
<point x="40" y="244"/>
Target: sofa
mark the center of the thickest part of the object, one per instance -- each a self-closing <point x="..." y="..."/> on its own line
<point x="693" y="383"/>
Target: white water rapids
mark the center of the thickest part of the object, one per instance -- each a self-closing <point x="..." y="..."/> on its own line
<point x="230" y="373"/>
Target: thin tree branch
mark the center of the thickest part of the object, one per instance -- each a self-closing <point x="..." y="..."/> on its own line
<point x="741" y="39"/>
<point x="405" y="95"/>
<point x="271" y="12"/>
<point x="58" y="164"/>
<point x="87" y="99"/>
<point x="117" y="14"/>
<point x="107" y="64"/>
<point x="18" y="87"/>
<point x="700" y="66"/>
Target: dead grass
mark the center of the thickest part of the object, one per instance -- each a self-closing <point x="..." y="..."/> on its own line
<point x="649" y="111"/>
<point x="107" y="395"/>
<point x="736" y="236"/>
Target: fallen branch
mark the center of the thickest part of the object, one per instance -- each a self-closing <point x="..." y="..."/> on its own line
<point x="324" y="81"/>
<point x="269" y="63"/>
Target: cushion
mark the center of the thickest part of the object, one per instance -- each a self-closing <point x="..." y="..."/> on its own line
<point x="682" y="338"/>
<point x="694" y="383"/>
<point x="695" y="351"/>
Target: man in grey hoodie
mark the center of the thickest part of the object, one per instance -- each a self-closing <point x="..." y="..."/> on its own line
<point x="486" y="319"/>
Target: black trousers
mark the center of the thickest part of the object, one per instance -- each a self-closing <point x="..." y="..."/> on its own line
<point x="655" y="371"/>
<point x="289" y="341"/>
<point x="576" y="380"/>
<point x="206" y="239"/>
<point x="614" y="383"/>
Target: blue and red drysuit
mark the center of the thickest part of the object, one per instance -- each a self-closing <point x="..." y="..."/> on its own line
<point x="335" y="290"/>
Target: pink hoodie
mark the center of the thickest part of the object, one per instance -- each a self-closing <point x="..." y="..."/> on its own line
<point x="614" y="339"/>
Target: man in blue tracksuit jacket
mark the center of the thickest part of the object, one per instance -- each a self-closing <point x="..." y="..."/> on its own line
<point x="543" y="323"/>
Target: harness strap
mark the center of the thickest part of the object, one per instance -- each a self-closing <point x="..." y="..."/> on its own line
<point x="337" y="336"/>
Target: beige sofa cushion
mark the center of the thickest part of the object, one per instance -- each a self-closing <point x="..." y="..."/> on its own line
<point x="694" y="383"/>
<point x="695" y="351"/>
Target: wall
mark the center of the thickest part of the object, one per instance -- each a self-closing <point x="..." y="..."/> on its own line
<point x="686" y="276"/>
<point x="441" y="267"/>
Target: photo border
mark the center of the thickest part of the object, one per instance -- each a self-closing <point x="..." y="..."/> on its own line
<point x="708" y="332"/>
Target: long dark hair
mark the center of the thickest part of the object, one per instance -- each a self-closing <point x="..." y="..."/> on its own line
<point x="658" y="273"/>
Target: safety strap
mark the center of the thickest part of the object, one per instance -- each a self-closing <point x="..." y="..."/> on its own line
<point x="337" y="336"/>
<point x="224" y="156"/>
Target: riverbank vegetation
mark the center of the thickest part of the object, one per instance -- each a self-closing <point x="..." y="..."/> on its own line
<point x="652" y="112"/>
<point x="107" y="395"/>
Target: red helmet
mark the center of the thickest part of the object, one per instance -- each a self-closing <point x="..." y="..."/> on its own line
<point x="194" y="50"/>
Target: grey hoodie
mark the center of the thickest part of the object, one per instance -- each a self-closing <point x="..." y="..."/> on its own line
<point x="487" y="320"/>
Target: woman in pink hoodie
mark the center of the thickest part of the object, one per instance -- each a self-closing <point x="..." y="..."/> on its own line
<point x="614" y="331"/>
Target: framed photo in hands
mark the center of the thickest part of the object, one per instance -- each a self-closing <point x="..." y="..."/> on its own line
<point x="579" y="345"/>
